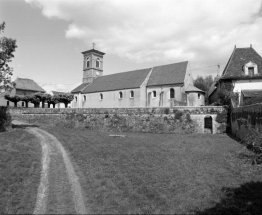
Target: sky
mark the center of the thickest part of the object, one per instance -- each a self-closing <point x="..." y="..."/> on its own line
<point x="134" y="34"/>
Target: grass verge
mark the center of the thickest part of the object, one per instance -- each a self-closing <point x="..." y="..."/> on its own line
<point x="155" y="173"/>
<point x="20" y="166"/>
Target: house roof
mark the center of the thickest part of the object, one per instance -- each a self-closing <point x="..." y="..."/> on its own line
<point x="27" y="84"/>
<point x="191" y="88"/>
<point x="118" y="81"/>
<point x="252" y="93"/>
<point x="212" y="88"/>
<point x="238" y="59"/>
<point x="80" y="88"/>
<point x="168" y="74"/>
<point x="57" y="92"/>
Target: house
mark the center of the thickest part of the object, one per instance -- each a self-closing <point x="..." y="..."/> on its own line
<point x="23" y="86"/>
<point x="159" y="86"/>
<point x="243" y="72"/>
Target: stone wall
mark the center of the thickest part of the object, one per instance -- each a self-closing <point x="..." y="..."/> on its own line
<point x="5" y="119"/>
<point x="246" y="119"/>
<point x="157" y="120"/>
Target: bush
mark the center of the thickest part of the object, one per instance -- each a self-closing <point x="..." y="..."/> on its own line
<point x="178" y="114"/>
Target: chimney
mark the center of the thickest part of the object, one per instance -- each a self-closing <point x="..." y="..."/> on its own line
<point x="250" y="45"/>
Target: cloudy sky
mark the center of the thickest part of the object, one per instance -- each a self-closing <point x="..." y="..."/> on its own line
<point x="134" y="34"/>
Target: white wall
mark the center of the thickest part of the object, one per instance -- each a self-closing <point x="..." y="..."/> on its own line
<point x="255" y="84"/>
<point x="110" y="99"/>
<point x="155" y="102"/>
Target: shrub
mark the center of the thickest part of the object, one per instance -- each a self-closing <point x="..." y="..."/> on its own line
<point x="178" y="114"/>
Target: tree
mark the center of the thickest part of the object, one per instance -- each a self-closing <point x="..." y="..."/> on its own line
<point x="26" y="99"/>
<point x="65" y="98"/>
<point x="41" y="97"/>
<point x="52" y="100"/>
<point x="35" y="100"/>
<point x="204" y="83"/>
<point x="13" y="99"/>
<point x="7" y="48"/>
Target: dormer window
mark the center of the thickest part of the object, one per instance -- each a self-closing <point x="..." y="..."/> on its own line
<point x="98" y="63"/>
<point x="250" y="69"/>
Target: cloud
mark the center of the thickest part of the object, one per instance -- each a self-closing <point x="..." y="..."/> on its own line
<point x="167" y="30"/>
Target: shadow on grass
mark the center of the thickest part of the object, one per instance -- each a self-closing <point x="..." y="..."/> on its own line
<point x="23" y="126"/>
<point x="246" y="199"/>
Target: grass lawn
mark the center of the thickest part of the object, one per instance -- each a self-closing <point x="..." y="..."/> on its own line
<point x="162" y="173"/>
<point x="20" y="166"/>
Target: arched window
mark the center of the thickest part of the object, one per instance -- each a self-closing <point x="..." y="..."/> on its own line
<point x="154" y="94"/>
<point x="87" y="62"/>
<point x="199" y="96"/>
<point x="97" y="62"/>
<point x="172" y="93"/>
<point x="84" y="98"/>
<point x="76" y="98"/>
<point x="120" y="95"/>
<point x="101" y="96"/>
<point x="131" y="94"/>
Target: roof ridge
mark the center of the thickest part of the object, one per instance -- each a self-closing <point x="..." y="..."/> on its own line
<point x="170" y="64"/>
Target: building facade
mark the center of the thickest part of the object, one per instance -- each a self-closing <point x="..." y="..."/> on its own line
<point x="160" y="86"/>
<point x="243" y="72"/>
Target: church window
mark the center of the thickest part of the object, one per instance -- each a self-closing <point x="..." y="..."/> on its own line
<point x="84" y="98"/>
<point x="131" y="94"/>
<point x="251" y="71"/>
<point x="198" y="96"/>
<point x="154" y="94"/>
<point x="87" y="62"/>
<point x="172" y="93"/>
<point x="76" y="98"/>
<point x="97" y="62"/>
<point x="101" y="96"/>
<point x="120" y="95"/>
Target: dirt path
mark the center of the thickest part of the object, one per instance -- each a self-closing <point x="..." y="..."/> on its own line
<point x="59" y="190"/>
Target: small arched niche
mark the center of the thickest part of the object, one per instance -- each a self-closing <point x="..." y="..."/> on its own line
<point x="208" y="124"/>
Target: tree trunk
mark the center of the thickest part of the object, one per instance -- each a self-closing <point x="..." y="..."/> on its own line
<point x="66" y="105"/>
<point x="43" y="104"/>
<point x="15" y="103"/>
<point x="26" y="104"/>
<point x="53" y="105"/>
<point x="48" y="105"/>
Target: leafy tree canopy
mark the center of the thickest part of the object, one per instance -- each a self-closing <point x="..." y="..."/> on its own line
<point x="204" y="83"/>
<point x="7" y="48"/>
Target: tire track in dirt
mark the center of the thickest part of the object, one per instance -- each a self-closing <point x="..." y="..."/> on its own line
<point x="53" y="154"/>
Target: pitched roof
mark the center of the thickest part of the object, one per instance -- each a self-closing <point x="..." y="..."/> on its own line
<point x="118" y="81"/>
<point x="252" y="93"/>
<point x="212" y="88"/>
<point x="238" y="59"/>
<point x="57" y="92"/>
<point x="80" y="88"/>
<point x="191" y="88"/>
<point x="161" y="75"/>
<point x="168" y="74"/>
<point x="28" y="84"/>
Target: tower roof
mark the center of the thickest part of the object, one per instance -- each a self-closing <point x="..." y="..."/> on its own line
<point x="93" y="51"/>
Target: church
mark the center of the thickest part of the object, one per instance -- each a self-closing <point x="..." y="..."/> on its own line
<point x="160" y="86"/>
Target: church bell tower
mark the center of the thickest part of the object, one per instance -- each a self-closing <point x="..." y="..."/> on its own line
<point x="92" y="65"/>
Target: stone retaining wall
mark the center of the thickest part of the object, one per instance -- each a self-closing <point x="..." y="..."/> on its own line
<point x="157" y="120"/>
